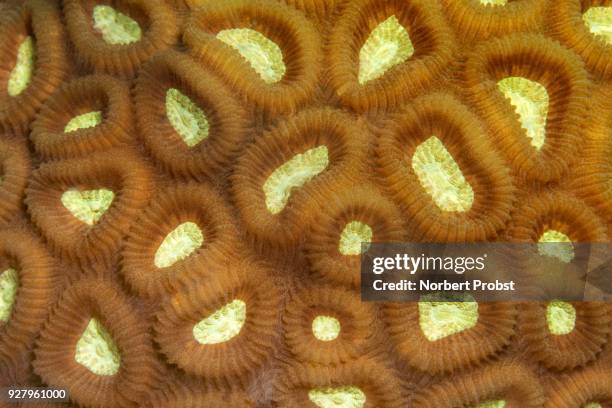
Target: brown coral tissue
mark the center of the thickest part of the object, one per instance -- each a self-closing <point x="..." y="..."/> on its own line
<point x="54" y="138"/>
<point x="199" y="205"/>
<point x="156" y="23"/>
<point x="189" y="190"/>
<point x="39" y="22"/>
<point x="57" y="364"/>
<point x="220" y="132"/>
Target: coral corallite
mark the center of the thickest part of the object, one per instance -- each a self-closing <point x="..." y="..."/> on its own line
<point x="187" y="189"/>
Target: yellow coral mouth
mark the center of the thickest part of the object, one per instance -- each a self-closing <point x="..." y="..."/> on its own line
<point x="97" y="351"/>
<point x="263" y="54"/>
<point x="294" y="173"/>
<point x="179" y="244"/>
<point x="186" y="117"/>
<point x="599" y="22"/>
<point x="439" y="319"/>
<point x="387" y="45"/>
<point x="223" y="325"/>
<point x="21" y="75"/>
<point x="88" y="205"/>
<point x="353" y="235"/>
<point x="530" y="100"/>
<point x="341" y="397"/>
<point x="441" y="177"/>
<point x="325" y="328"/>
<point x="84" y="121"/>
<point x="115" y="27"/>
<point x="9" y="282"/>
<point x="557" y="245"/>
<point x="494" y="2"/>
<point x="560" y="317"/>
<point x="492" y="404"/>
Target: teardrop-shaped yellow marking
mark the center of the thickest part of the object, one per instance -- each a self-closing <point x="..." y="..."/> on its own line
<point x="21" y="74"/>
<point x="263" y="54"/>
<point x="353" y="235"/>
<point x="9" y="282"/>
<point x="325" y="328"/>
<point x="530" y="101"/>
<point x="441" y="176"/>
<point x="186" y="117"/>
<point x="439" y="318"/>
<point x="223" y="325"/>
<point x="84" y="121"/>
<point x="339" y="397"/>
<point x="97" y="351"/>
<point x="115" y="27"/>
<point x="294" y="173"/>
<point x="179" y="244"/>
<point x="560" y="317"/>
<point x="599" y="22"/>
<point x="556" y="244"/>
<point x="387" y="45"/>
<point x="88" y="205"/>
<point x="492" y="404"/>
<point x="494" y="2"/>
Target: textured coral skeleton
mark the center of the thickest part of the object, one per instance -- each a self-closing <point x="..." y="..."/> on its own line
<point x="187" y="186"/>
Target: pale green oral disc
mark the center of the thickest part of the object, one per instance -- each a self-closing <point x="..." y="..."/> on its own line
<point x="179" y="244"/>
<point x="439" y="319"/>
<point x="222" y="325"/>
<point x="264" y="55"/>
<point x="441" y="177"/>
<point x="9" y="282"/>
<point x="387" y="45"/>
<point x="294" y="173"/>
<point x="88" y="205"/>
<point x="21" y="74"/>
<point x="84" y="121"/>
<point x="115" y="27"/>
<point x="530" y="101"/>
<point x="340" y="397"/>
<point x="97" y="351"/>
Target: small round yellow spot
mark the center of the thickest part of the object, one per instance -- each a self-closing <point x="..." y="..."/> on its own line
<point x="530" y="101"/>
<point x="115" y="27"/>
<point x="294" y="173"/>
<point x="441" y="176"/>
<point x="223" y="325"/>
<point x="21" y="75"/>
<point x="340" y="397"/>
<point x="387" y="45"/>
<point x="557" y="245"/>
<point x="84" y="121"/>
<point x="560" y="317"/>
<point x="263" y="54"/>
<point x="439" y="318"/>
<point x="325" y="328"/>
<point x="179" y="244"/>
<point x="353" y="235"/>
<point x="97" y="351"/>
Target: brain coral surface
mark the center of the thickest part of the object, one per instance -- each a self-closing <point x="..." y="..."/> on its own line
<point x="185" y="186"/>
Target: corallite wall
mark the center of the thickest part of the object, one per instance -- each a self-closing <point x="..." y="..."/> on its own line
<point x="185" y="186"/>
